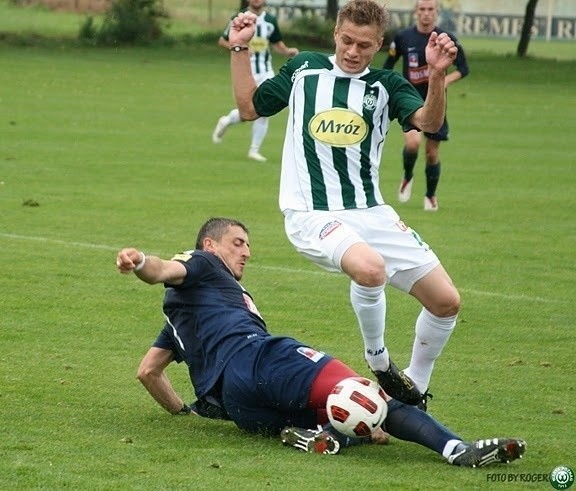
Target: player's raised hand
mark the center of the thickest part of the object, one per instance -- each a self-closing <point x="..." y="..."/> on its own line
<point x="441" y="51"/>
<point x="242" y="29"/>
<point x="129" y="259"/>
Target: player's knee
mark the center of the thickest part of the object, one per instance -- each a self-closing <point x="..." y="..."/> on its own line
<point x="141" y="375"/>
<point x="144" y="373"/>
<point x="364" y="265"/>
<point x="448" y="305"/>
<point x="370" y="273"/>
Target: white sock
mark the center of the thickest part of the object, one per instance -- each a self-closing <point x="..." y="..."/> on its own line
<point x="259" y="130"/>
<point x="432" y="334"/>
<point x="369" y="304"/>
<point x="234" y="116"/>
<point x="449" y="448"/>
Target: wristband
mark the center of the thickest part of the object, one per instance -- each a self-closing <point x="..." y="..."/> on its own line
<point x="184" y="411"/>
<point x="237" y="49"/>
<point x="140" y="265"/>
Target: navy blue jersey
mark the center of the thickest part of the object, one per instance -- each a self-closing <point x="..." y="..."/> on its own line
<point x="209" y="319"/>
<point x="410" y="45"/>
<point x="210" y="316"/>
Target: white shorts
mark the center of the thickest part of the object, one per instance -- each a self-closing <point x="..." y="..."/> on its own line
<point x="324" y="237"/>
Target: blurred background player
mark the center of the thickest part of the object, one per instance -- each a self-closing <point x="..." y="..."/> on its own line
<point x="267" y="33"/>
<point x="409" y="45"/>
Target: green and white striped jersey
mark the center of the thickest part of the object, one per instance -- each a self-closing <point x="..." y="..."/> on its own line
<point x="337" y="125"/>
<point x="267" y="32"/>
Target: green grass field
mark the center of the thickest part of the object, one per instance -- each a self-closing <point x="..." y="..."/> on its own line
<point x="114" y="147"/>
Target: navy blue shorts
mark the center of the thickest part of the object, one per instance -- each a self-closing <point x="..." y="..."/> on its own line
<point x="266" y="385"/>
<point x="441" y="135"/>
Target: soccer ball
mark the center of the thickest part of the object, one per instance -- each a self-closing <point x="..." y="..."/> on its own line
<point x="356" y="407"/>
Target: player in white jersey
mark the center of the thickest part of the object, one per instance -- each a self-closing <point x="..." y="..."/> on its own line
<point x="267" y="33"/>
<point x="340" y="111"/>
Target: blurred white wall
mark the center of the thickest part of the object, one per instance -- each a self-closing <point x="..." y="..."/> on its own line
<point x="555" y="19"/>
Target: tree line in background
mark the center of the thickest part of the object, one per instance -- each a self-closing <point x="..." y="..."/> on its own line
<point x="140" y="22"/>
<point x="126" y="22"/>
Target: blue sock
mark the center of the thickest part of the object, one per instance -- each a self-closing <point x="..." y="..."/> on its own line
<point x="343" y="440"/>
<point x="409" y="162"/>
<point x="432" y="177"/>
<point x="413" y="425"/>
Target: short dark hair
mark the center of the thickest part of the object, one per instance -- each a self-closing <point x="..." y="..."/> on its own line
<point x="365" y="13"/>
<point x="215" y="228"/>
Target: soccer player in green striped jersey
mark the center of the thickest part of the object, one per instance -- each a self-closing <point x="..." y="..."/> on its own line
<point x="267" y="34"/>
<point x="340" y="110"/>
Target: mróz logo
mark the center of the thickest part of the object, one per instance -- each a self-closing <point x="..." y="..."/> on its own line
<point x="338" y="127"/>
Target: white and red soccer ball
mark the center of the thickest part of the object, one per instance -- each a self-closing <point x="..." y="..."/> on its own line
<point x="356" y="407"/>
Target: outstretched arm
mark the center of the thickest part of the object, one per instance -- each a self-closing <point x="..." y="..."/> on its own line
<point x="441" y="52"/>
<point x="242" y="30"/>
<point x="150" y="269"/>
<point x="152" y="376"/>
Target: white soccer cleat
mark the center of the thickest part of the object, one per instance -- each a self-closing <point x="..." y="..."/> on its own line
<point x="405" y="190"/>
<point x="311" y="441"/>
<point x="257" y="157"/>
<point x="220" y="129"/>
<point x="430" y="204"/>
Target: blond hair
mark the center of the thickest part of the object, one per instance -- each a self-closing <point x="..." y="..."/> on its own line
<point x="365" y="13"/>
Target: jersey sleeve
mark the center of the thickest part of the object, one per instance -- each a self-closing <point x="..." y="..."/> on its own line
<point x="393" y="53"/>
<point x="273" y="95"/>
<point x="165" y="341"/>
<point x="461" y="63"/>
<point x="195" y="263"/>
<point x="404" y="99"/>
<point x="198" y="264"/>
<point x="276" y="36"/>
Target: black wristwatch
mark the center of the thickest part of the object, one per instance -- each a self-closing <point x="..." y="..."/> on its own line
<point x="184" y="411"/>
<point x="237" y="49"/>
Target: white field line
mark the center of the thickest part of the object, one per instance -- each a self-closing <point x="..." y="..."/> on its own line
<point x="88" y="245"/>
<point x="471" y="291"/>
